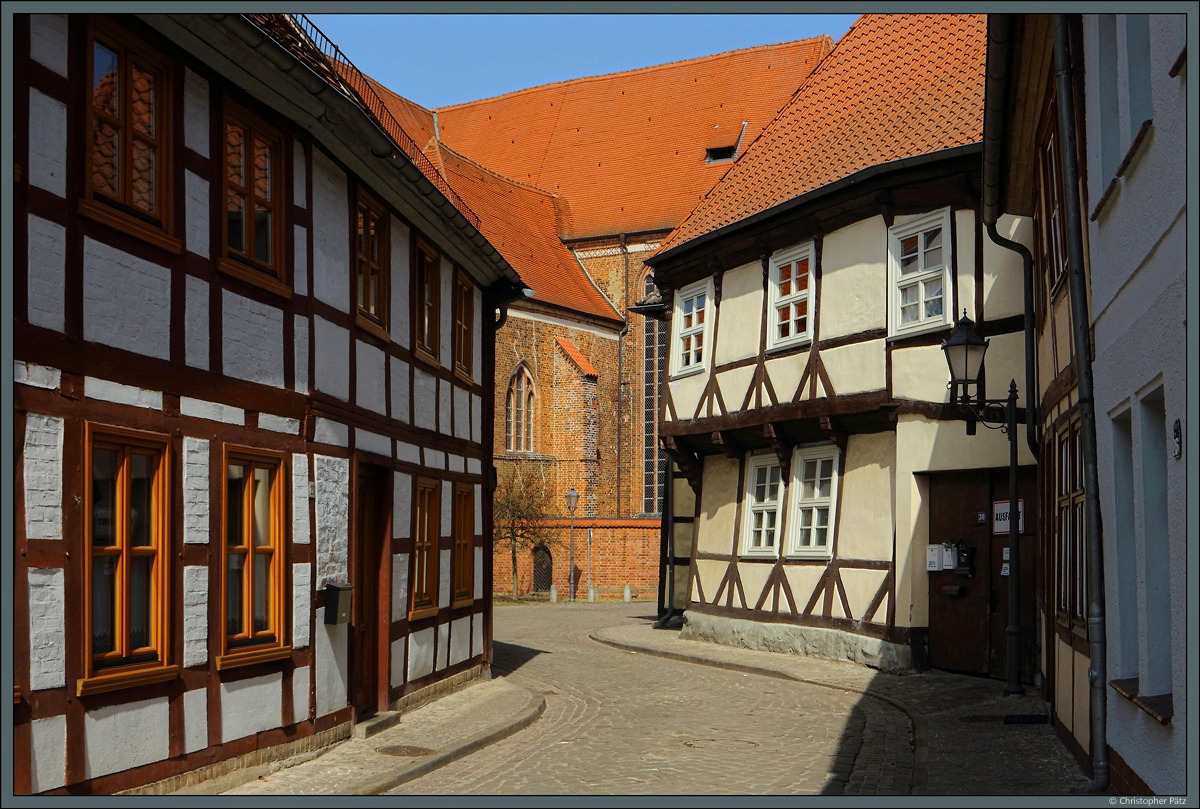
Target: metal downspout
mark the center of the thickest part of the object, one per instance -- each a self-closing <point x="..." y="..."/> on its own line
<point x="1097" y="647"/>
<point x="1032" y="425"/>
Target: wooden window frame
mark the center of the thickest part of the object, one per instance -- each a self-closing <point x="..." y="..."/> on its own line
<point x="462" y="583"/>
<point x="917" y="227"/>
<point x="373" y="319"/>
<point x="246" y="648"/>
<point x="272" y="275"/>
<point x="1069" y="527"/>
<point x="791" y="258"/>
<point x="426" y="301"/>
<point x="519" y="402"/>
<point x="1049" y="214"/>
<point x="116" y="670"/>
<point x="426" y="530"/>
<point x="754" y="506"/>
<point x="800" y="503"/>
<point x="701" y="327"/>
<point x="464" y="325"/>
<point x="119" y="212"/>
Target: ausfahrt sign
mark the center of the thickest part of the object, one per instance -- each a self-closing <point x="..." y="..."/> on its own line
<point x="1000" y="517"/>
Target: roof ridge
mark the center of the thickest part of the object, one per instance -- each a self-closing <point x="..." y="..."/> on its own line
<point x="646" y="69"/>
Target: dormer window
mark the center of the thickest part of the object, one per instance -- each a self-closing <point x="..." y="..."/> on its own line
<point x="720" y="153"/>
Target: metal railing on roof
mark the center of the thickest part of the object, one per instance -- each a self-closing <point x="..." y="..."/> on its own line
<point x="301" y="37"/>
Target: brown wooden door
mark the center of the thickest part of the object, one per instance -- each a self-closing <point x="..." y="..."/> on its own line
<point x="370" y="615"/>
<point x="1027" y="491"/>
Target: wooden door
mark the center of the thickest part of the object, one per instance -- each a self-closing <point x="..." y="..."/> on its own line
<point x="370" y="615"/>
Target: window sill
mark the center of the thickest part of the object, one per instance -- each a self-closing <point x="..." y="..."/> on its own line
<point x="759" y="556"/>
<point x="797" y="556"/>
<point x="463" y="375"/>
<point x="915" y="331"/>
<point x="248" y="657"/>
<point x="99" y="212"/>
<point x="254" y="277"/>
<point x="371" y="327"/>
<point x="114" y="681"/>
<point x="1161" y="707"/>
<point x="687" y="372"/>
<point x="462" y="601"/>
<point x="422" y="612"/>
<point x="423" y="354"/>
<point x="785" y="345"/>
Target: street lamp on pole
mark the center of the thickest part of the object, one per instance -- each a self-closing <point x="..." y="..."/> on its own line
<point x="964" y="355"/>
<point x="572" y="498"/>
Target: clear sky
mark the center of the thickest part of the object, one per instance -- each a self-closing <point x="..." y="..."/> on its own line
<point x="442" y="59"/>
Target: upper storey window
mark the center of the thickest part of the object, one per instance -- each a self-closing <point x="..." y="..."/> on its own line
<point x="426" y="301"/>
<point x="518" y="412"/>
<point x="370" y="263"/>
<point x="919" y="265"/>
<point x="691" y="327"/>
<point x="252" y="181"/>
<point x="128" y="165"/>
<point x="791" y="317"/>
<point x="464" y="325"/>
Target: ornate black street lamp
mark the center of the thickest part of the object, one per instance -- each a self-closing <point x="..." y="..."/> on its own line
<point x="572" y="498"/>
<point x="964" y="355"/>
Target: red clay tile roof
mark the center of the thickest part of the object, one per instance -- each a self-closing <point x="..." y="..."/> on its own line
<point x="521" y="222"/>
<point x="627" y="150"/>
<point x="576" y="356"/>
<point x="895" y="86"/>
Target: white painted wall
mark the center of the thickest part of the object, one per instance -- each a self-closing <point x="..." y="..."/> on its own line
<point x="48" y="753"/>
<point x="300" y="259"/>
<point x="36" y="376"/>
<point x="126" y="301"/>
<point x="444" y="395"/>
<point x="301" y="604"/>
<point x="251" y="706"/>
<point x="332" y="476"/>
<point x="301" y="680"/>
<point x="196" y="493"/>
<point x="213" y="411"/>
<point x="399" y="384"/>
<point x="460" y="640"/>
<point x="43" y="476"/>
<point x="301" y="350"/>
<point x="251" y="340"/>
<point x="197" y="233"/>
<point x="462" y="413"/>
<point x="369" y="381"/>
<point x="47" y="273"/>
<point x="195" y="615"/>
<point x="47" y="143"/>
<point x="195" y="114"/>
<point x="195" y="323"/>
<point x="331" y="229"/>
<point x="332" y="367"/>
<point x="401" y="313"/>
<point x="476" y="635"/>
<point x="420" y="653"/>
<point x="399" y="586"/>
<point x="47" y="616"/>
<point x="107" y="391"/>
<point x="301" y="528"/>
<point x="48" y="41"/>
<point x="424" y="399"/>
<point x="195" y="720"/>
<point x="443" y="646"/>
<point x="397" y="663"/>
<point x="120" y="737"/>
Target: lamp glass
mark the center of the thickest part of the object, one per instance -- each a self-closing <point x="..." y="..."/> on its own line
<point x="572" y="498"/>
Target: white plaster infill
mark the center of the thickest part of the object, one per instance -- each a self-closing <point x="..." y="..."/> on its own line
<point x="213" y="411"/>
<point x="330" y="432"/>
<point x="278" y="424"/>
<point x="36" y="376"/>
<point x="435" y="458"/>
<point x="117" y="393"/>
<point x="372" y="442"/>
<point x="408" y="452"/>
<point x="473" y="466"/>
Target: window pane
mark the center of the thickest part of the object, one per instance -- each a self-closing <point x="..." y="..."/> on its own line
<point x="262" y="233"/>
<point x="809" y="479"/>
<point x="106" y="163"/>
<point x="104" y="574"/>
<point x="106" y="82"/>
<point x="141" y="499"/>
<point x="908" y="255"/>
<point x="933" y="248"/>
<point x="235" y="154"/>
<point x="933" y="297"/>
<point x="909" y="305"/>
<point x="234" y="565"/>
<point x="823" y="487"/>
<point x="104" y="497"/>
<point x="362" y="270"/>
<point x="262" y="592"/>
<point x="143" y="87"/>
<point x="262" y="170"/>
<point x="139" y="601"/>
<point x="261" y="499"/>
<point x="699" y="310"/>
<point x="143" y="188"/>
<point x="802" y="275"/>
<point x="234" y="507"/>
<point x="235" y="219"/>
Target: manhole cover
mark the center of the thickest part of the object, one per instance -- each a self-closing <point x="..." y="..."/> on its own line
<point x="720" y="744"/>
<point x="410" y="750"/>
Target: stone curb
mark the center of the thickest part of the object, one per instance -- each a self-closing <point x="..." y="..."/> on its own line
<point x="532" y="711"/>
<point x="919" y="726"/>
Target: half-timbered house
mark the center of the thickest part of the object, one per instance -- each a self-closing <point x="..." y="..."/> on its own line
<point x="806" y="404"/>
<point x="253" y="359"/>
<point x="1085" y="134"/>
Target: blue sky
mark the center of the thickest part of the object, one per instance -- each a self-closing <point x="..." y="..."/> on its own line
<point x="442" y="59"/>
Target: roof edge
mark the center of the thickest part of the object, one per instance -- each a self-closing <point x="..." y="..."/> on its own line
<point x="676" y="252"/>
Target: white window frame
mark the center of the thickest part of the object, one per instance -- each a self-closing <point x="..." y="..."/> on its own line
<point x="896" y="282"/>
<point x="753" y="507"/>
<point x="678" y="332"/>
<point x="782" y="258"/>
<point x="802" y="456"/>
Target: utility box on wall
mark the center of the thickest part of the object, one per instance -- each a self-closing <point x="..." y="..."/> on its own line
<point x="337" y="602"/>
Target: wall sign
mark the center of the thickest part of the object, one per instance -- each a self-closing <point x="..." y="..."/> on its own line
<point x="1000" y="517"/>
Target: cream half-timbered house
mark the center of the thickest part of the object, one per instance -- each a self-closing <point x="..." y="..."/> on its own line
<point x="252" y="369"/>
<point x="806" y="402"/>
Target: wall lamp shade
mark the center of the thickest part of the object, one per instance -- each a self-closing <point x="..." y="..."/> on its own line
<point x="964" y="353"/>
<point x="572" y="498"/>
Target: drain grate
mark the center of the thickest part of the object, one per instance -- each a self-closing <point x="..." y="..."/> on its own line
<point x="719" y="744"/>
<point x="406" y="750"/>
<point x="1026" y="719"/>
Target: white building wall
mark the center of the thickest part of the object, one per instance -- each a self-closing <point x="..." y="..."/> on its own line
<point x="420" y="653"/>
<point x="197" y="233"/>
<point x="126" y="301"/>
<point x="47" y="143"/>
<point x="301" y="604"/>
<point x="47" y="273"/>
<point x="47" y="616"/>
<point x="401" y="314"/>
<point x="120" y="737"/>
<point x="48" y="41"/>
<point x="196" y="492"/>
<point x="333" y="508"/>
<point x="330" y="659"/>
<point x="43" y="476"/>
<point x="424" y="399"/>
<point x="331" y="344"/>
<point x="252" y="340"/>
<point x="195" y="720"/>
<point x="369" y="380"/>
<point x="195" y="615"/>
<point x="251" y="706"/>
<point x="399" y="385"/>
<point x="331" y="234"/>
<point x="195" y="323"/>
<point x="48" y="753"/>
<point x="195" y="114"/>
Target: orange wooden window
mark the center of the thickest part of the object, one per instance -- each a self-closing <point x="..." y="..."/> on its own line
<point x="464" y="545"/>
<point x="426" y="300"/>
<point x="127" y="529"/>
<point x="370" y="260"/>
<point x="464" y="309"/>
<point x="426" y="511"/>
<point x="252" y="199"/>
<point x="253" y="553"/>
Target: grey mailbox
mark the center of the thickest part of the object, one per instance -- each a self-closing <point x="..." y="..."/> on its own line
<point x="337" y="602"/>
